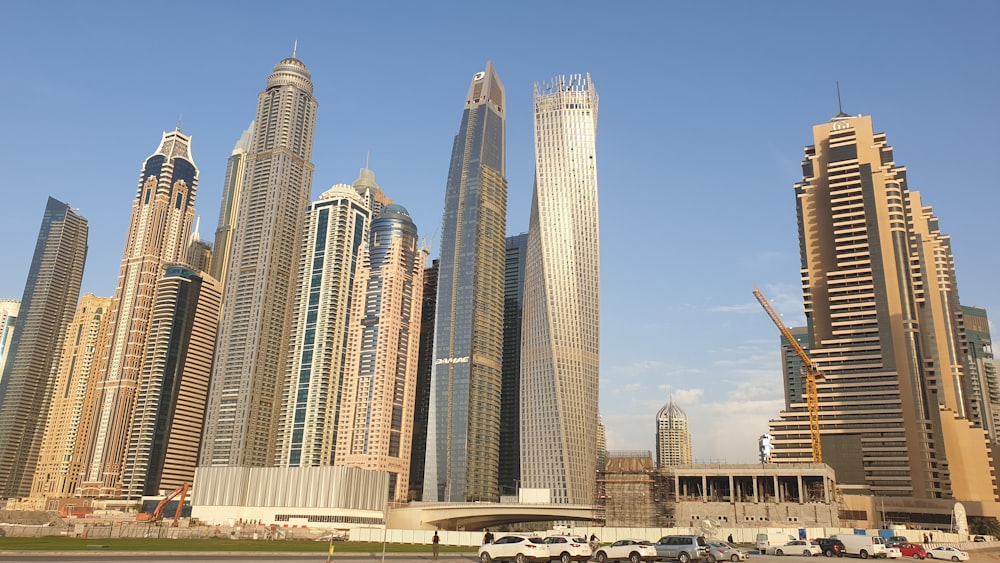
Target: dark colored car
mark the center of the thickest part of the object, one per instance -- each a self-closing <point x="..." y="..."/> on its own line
<point x="979" y="539"/>
<point x="831" y="547"/>
<point x="894" y="541"/>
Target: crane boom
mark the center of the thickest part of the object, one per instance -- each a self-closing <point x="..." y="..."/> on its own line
<point x="812" y="395"/>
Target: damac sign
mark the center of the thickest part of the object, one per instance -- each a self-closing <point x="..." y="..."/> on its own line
<point x="462" y="360"/>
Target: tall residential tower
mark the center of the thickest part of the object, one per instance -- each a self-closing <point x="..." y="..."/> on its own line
<point x="259" y="292"/>
<point x="561" y="327"/>
<point x="881" y="303"/>
<point x="47" y="307"/>
<point x="673" y="438"/>
<point x="463" y="424"/>
<point x="158" y="234"/>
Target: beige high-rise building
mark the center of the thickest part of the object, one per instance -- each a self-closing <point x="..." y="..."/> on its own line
<point x="8" y="318"/>
<point x="561" y="318"/>
<point x="158" y="234"/>
<point x="259" y="291"/>
<point x="233" y="188"/>
<point x="173" y="387"/>
<point x="377" y="408"/>
<point x="64" y="452"/>
<point x="881" y="300"/>
<point x="673" y="438"/>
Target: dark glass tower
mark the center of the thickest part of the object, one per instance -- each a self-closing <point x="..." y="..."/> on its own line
<point x="464" y="415"/>
<point x="47" y="307"/>
<point x="510" y="399"/>
<point x="423" y="396"/>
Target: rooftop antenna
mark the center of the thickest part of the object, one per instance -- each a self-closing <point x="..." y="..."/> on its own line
<point x="840" y="107"/>
<point x="295" y="48"/>
<point x="368" y="157"/>
<point x="180" y="120"/>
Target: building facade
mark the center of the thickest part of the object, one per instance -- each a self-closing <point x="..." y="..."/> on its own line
<point x="336" y="233"/>
<point x="881" y="301"/>
<point x="64" y="452"/>
<point x="509" y="476"/>
<point x="673" y="438"/>
<point x="230" y="206"/>
<point x="793" y="369"/>
<point x="376" y="428"/>
<point x="47" y="307"/>
<point x="173" y="386"/>
<point x="159" y="233"/>
<point x="982" y="393"/>
<point x="464" y="414"/>
<point x="259" y="292"/>
<point x="425" y="363"/>
<point x="8" y="318"/>
<point x="560" y="341"/>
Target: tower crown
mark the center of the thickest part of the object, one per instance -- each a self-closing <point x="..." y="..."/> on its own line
<point x="291" y="72"/>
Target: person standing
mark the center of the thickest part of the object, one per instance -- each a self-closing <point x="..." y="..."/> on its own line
<point x="487" y="537"/>
<point x="730" y="540"/>
<point x="435" y="544"/>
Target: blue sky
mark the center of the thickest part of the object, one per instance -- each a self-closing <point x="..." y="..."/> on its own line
<point x="704" y="110"/>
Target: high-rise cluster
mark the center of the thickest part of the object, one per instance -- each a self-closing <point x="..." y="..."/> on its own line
<point x="885" y="329"/>
<point x="315" y="334"/>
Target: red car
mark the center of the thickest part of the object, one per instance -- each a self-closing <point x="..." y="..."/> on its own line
<point x="914" y="550"/>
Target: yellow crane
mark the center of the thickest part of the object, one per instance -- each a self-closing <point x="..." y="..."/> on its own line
<point x="812" y="374"/>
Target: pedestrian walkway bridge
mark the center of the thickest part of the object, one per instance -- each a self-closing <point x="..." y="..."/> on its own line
<point x="479" y="515"/>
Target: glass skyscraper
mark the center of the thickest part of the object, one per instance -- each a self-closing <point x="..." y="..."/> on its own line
<point x="464" y="413"/>
<point x="510" y="400"/>
<point x="561" y="327"/>
<point x="47" y="307"/>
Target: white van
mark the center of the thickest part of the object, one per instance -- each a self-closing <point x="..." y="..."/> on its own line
<point x="767" y="539"/>
<point x="862" y="546"/>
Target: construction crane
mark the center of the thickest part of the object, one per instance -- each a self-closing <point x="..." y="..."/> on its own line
<point x="157" y="513"/>
<point x="812" y="374"/>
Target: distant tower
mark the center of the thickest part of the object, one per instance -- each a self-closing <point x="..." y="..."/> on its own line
<point x="510" y="397"/>
<point x="8" y="318"/>
<point x="63" y="455"/>
<point x="881" y="302"/>
<point x="463" y="425"/>
<point x="792" y="366"/>
<point x="336" y="233"/>
<point x="231" y="191"/>
<point x="425" y="362"/>
<point x="47" y="307"/>
<point x="170" y="404"/>
<point x="673" y="439"/>
<point x="199" y="252"/>
<point x="560" y="349"/>
<point x="159" y="233"/>
<point x="982" y="393"/>
<point x="259" y="291"/>
<point x="376" y="428"/>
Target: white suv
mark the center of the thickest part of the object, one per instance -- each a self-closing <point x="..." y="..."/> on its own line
<point x="568" y="548"/>
<point x="515" y="548"/>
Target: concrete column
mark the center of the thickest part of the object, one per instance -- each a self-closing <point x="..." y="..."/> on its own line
<point x="756" y="491"/>
<point x="732" y="490"/>
<point x="778" y="497"/>
<point x="802" y="493"/>
<point x="677" y="488"/>
<point x="704" y="488"/>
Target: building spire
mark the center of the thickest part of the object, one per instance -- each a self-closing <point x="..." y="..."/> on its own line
<point x="840" y="106"/>
<point x="180" y="120"/>
<point x="295" y="48"/>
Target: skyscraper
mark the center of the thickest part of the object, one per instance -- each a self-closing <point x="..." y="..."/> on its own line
<point x="170" y="402"/>
<point x="63" y="455"/>
<point x="8" y="318"/>
<point x="881" y="301"/>
<point x="793" y="369"/>
<point x="983" y="389"/>
<point x="425" y="364"/>
<point x="336" y="232"/>
<point x="158" y="234"/>
<point x="561" y="330"/>
<point x="376" y="424"/>
<point x="673" y="439"/>
<point x="231" y="191"/>
<point x="510" y="396"/>
<point x="259" y="291"/>
<point x="47" y="307"/>
<point x="464" y="414"/>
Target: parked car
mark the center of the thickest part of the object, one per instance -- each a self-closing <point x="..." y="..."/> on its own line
<point x="683" y="548"/>
<point x="632" y="550"/>
<point x="766" y="539"/>
<point x="862" y="546"/>
<point x="795" y="547"/>
<point x="722" y="551"/>
<point x="947" y="552"/>
<point x="568" y="548"/>
<point x="332" y="537"/>
<point x="515" y="547"/>
<point x="893" y="552"/>
<point x="979" y="539"/>
<point x="831" y="547"/>
<point x="914" y="550"/>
